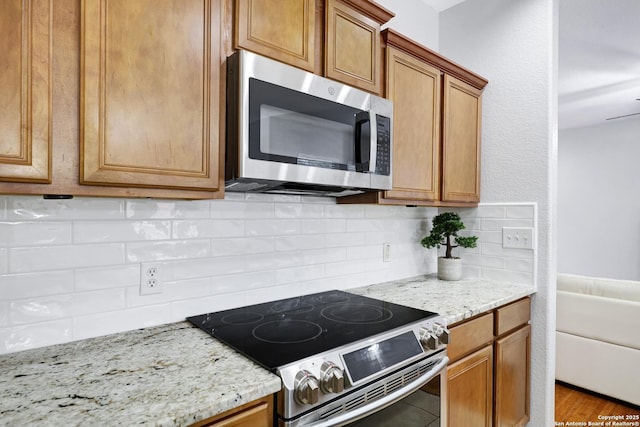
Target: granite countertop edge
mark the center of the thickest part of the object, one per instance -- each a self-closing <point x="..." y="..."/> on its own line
<point x="176" y="374"/>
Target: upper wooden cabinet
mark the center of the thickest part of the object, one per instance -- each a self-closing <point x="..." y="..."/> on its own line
<point x="353" y="54"/>
<point x="284" y="30"/>
<point x="462" y="114"/>
<point x="414" y="87"/>
<point x="150" y="93"/>
<point x="147" y="120"/>
<point x="339" y="39"/>
<point x="436" y="128"/>
<point x="25" y="91"/>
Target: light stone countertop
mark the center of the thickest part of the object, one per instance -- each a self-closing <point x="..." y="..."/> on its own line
<point x="170" y="375"/>
<point x="455" y="301"/>
<point x="174" y="375"/>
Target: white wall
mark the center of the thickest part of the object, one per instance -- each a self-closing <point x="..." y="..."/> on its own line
<point x="414" y="19"/>
<point x="513" y="44"/>
<point x="599" y="200"/>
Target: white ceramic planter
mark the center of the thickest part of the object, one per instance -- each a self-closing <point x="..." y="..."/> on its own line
<point x="449" y="268"/>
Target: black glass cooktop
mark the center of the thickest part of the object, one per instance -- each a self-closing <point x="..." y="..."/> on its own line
<point x="280" y="332"/>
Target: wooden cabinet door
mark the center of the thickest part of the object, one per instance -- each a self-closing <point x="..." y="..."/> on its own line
<point x="353" y="52"/>
<point x="470" y="390"/>
<point x="150" y="93"/>
<point x="258" y="413"/>
<point x="283" y="30"/>
<point x="25" y="90"/>
<point x="414" y="88"/>
<point x="513" y="354"/>
<point x="461" y="141"/>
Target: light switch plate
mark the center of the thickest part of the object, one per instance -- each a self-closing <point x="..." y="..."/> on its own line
<point x="518" y="237"/>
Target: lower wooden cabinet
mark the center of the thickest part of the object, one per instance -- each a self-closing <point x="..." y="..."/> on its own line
<point x="258" y="413"/>
<point x="512" y="358"/>
<point x="489" y="373"/>
<point x="470" y="389"/>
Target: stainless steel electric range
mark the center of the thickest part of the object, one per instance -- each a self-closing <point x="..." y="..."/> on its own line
<point x="342" y="357"/>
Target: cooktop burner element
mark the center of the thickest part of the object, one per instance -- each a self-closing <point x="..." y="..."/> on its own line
<point x="356" y="313"/>
<point x="277" y="333"/>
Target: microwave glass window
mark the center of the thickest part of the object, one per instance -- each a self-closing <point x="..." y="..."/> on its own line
<point x="289" y="126"/>
<point x="306" y="138"/>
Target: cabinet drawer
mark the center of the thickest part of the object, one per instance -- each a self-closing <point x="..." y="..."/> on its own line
<point x="512" y="316"/>
<point x="469" y="336"/>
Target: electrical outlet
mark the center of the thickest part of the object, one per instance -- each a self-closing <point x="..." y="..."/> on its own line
<point x="386" y="252"/>
<point x="517" y="237"/>
<point x="150" y="278"/>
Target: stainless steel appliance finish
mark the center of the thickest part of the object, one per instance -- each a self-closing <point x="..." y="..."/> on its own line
<point x="343" y="358"/>
<point x="290" y="131"/>
<point x="401" y="363"/>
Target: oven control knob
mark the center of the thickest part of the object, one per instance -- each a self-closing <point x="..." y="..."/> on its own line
<point x="428" y="339"/>
<point x="442" y="333"/>
<point x="306" y="388"/>
<point x="332" y="378"/>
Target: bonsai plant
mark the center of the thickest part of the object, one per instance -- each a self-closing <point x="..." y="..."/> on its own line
<point x="444" y="232"/>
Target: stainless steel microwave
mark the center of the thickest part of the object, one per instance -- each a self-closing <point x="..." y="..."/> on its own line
<point x="290" y="131"/>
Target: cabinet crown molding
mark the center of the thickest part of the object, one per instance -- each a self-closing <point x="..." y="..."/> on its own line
<point x="393" y="38"/>
<point x="371" y="9"/>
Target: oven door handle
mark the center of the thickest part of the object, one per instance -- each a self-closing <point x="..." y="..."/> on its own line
<point x="383" y="402"/>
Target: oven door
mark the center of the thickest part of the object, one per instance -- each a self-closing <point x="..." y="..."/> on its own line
<point x="418" y="403"/>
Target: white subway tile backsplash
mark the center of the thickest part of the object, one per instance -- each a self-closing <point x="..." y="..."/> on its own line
<point x="203" y="267"/>
<point x="491" y="249"/>
<point x="336" y="240"/>
<point x="242" y="245"/>
<point x="241" y="210"/>
<point x="69" y="305"/>
<point x="300" y="242"/>
<point x="354" y="225"/>
<point x="119" y="321"/>
<point x="70" y="269"/>
<point x="3" y="208"/>
<point x="243" y="281"/>
<point x="321" y="256"/>
<point x="34" y="233"/>
<point x="42" y="258"/>
<point x="271" y="227"/>
<point x="120" y="231"/>
<point x="4" y="261"/>
<point x="34" y="285"/>
<point x="22" y="208"/>
<point x="498" y="224"/>
<point x="166" y="250"/>
<point x="299" y="274"/>
<point x="344" y="211"/>
<point x="273" y="261"/>
<point x="90" y="279"/>
<point x="208" y="228"/>
<point x="167" y="209"/>
<point x="24" y="337"/>
<point x="316" y="226"/>
<point x="4" y="313"/>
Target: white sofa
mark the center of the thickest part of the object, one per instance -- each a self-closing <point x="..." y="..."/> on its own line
<point x="598" y="335"/>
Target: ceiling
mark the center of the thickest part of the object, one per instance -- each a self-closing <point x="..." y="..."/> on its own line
<point x="599" y="60"/>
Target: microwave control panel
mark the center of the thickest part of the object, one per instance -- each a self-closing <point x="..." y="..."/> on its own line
<point x="383" y="154"/>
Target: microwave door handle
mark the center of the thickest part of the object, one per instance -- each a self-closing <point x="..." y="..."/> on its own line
<point x="366" y="151"/>
<point x="373" y="142"/>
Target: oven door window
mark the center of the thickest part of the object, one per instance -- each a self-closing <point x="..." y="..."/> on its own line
<point x="288" y="126"/>
<point x="419" y="409"/>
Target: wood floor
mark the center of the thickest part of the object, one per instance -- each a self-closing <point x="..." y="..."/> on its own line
<point x="578" y="405"/>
